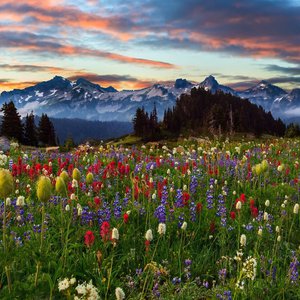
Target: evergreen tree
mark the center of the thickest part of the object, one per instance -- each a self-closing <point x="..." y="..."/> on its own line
<point x="46" y="131"/>
<point x="30" y="131"/>
<point x="11" y="126"/>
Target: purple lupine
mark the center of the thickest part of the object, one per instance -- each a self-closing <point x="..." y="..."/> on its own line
<point x="187" y="268"/>
<point x="222" y="210"/>
<point x="179" y="199"/>
<point x="180" y="220"/>
<point x="293" y="271"/>
<point x="117" y="207"/>
<point x="160" y="214"/>
<point x="164" y="195"/>
<point x="209" y="199"/>
<point x="192" y="211"/>
<point x="193" y="184"/>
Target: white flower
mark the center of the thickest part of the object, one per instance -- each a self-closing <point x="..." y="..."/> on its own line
<point x="72" y="280"/>
<point x="296" y="208"/>
<point x="280" y="168"/>
<point x="63" y="285"/>
<point x="120" y="295"/>
<point x="234" y="193"/>
<point x="266" y="216"/>
<point x="279" y="239"/>
<point x="74" y="183"/>
<point x="72" y="196"/>
<point x="267" y="203"/>
<point x="184" y="226"/>
<point x="277" y="229"/>
<point x="243" y="240"/>
<point x="67" y="207"/>
<point x="149" y="235"/>
<point x="153" y="196"/>
<point x="20" y="201"/>
<point x="8" y="201"/>
<point x="79" y="211"/>
<point x="115" y="234"/>
<point x="238" y="205"/>
<point x="161" y="228"/>
<point x="260" y="232"/>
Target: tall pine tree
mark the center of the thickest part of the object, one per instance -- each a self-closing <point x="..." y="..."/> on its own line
<point x="11" y="126"/>
<point x="30" y="131"/>
<point x="46" y="131"/>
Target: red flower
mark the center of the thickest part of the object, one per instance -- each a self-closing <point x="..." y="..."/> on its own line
<point x="104" y="231"/>
<point x="89" y="238"/>
<point x="232" y="215"/>
<point x="126" y="217"/>
<point x="254" y="211"/>
<point x="243" y="198"/>
<point x="252" y="203"/>
<point x="147" y="244"/>
<point x="199" y="207"/>
<point x="97" y="201"/>
<point x="212" y="227"/>
<point x="186" y="198"/>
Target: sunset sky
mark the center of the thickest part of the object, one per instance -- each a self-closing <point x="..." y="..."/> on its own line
<point x="132" y="44"/>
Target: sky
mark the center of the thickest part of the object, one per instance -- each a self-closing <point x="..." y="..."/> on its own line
<point x="133" y="44"/>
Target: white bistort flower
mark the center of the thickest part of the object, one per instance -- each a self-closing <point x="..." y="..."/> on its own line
<point x="243" y="240"/>
<point x="149" y="235"/>
<point x="184" y="226"/>
<point x="161" y="228"/>
<point x="115" y="234"/>
<point x="120" y="295"/>
<point x="20" y="201"/>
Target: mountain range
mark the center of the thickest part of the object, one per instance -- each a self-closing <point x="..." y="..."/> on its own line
<point x="62" y="98"/>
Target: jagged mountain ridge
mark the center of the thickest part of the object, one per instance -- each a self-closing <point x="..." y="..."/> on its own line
<point x="62" y="98"/>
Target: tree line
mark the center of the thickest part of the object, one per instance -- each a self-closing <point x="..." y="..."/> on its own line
<point x="202" y="112"/>
<point x="27" y="132"/>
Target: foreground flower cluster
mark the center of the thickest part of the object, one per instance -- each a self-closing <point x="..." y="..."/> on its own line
<point x="199" y="220"/>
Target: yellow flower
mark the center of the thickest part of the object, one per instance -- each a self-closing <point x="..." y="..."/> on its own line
<point x="76" y="174"/>
<point x="6" y="183"/>
<point x="65" y="176"/>
<point x="258" y="169"/>
<point x="264" y="165"/>
<point x="60" y="185"/>
<point x="89" y="178"/>
<point x="44" y="189"/>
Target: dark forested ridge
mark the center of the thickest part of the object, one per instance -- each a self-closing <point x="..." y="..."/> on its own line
<point x="204" y="112"/>
<point x="220" y="113"/>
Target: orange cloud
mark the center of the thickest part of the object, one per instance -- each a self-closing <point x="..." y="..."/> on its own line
<point x="5" y="86"/>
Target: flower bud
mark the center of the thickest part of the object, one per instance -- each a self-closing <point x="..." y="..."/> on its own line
<point x="76" y="174"/>
<point x="60" y="186"/>
<point x="89" y="178"/>
<point x="65" y="176"/>
<point x="44" y="189"/>
<point x="296" y="209"/>
<point x="6" y="183"/>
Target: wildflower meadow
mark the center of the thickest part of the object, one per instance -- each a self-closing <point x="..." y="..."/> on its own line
<point x="200" y="220"/>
